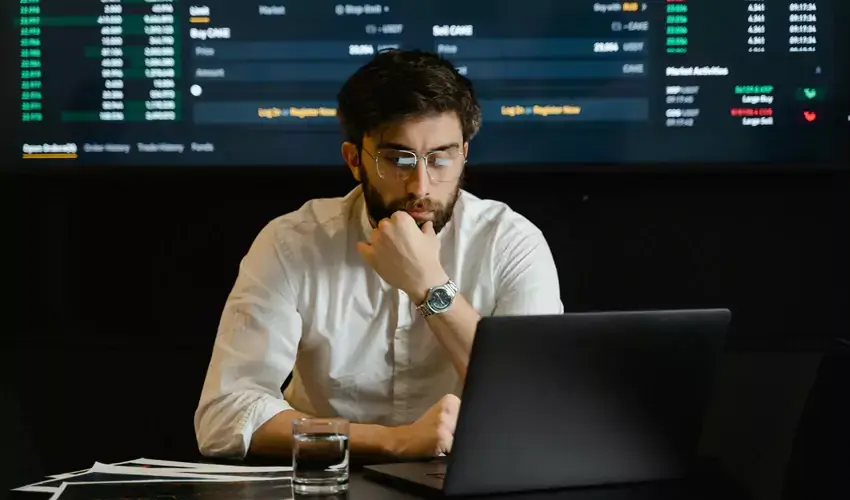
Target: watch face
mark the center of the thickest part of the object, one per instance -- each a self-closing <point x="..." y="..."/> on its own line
<point x="440" y="299"/>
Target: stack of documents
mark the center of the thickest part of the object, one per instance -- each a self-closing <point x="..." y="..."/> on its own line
<point x="148" y="478"/>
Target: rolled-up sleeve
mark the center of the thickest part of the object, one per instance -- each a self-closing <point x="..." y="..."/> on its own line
<point x="253" y="354"/>
<point x="526" y="276"/>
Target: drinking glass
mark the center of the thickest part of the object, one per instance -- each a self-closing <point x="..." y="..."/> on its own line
<point x="320" y="456"/>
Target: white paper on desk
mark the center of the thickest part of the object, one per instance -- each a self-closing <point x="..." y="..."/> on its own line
<point x="184" y="466"/>
<point x="139" y="475"/>
<point x="81" y="471"/>
<point x="179" y="473"/>
<point x="199" y="467"/>
<point x="161" y="463"/>
<point x="52" y="482"/>
<point x="147" y="462"/>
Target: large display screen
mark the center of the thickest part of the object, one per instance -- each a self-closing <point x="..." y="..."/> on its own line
<point x="224" y="82"/>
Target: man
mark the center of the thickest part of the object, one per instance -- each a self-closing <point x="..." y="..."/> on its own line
<point x="372" y="300"/>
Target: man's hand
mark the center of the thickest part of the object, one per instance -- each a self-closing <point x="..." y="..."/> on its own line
<point x="432" y="434"/>
<point x="405" y="256"/>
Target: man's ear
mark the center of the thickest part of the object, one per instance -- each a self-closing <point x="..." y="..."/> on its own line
<point x="352" y="158"/>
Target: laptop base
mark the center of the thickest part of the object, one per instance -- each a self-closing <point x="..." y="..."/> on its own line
<point x="428" y="474"/>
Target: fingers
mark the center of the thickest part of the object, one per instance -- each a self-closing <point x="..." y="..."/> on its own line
<point x="450" y="407"/>
<point x="400" y="219"/>
<point x="401" y="216"/>
<point x="446" y="429"/>
<point x="445" y="440"/>
<point x="384" y="225"/>
<point x="448" y="422"/>
<point x="451" y="402"/>
<point x="397" y="219"/>
<point x="437" y="426"/>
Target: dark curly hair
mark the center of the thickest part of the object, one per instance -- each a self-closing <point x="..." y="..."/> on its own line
<point x="398" y="84"/>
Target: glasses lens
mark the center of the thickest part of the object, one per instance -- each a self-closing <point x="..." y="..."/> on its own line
<point x="396" y="163"/>
<point x="445" y="165"/>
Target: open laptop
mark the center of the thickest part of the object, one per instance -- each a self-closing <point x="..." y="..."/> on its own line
<point x="582" y="399"/>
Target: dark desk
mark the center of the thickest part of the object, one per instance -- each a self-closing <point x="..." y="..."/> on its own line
<point x="362" y="488"/>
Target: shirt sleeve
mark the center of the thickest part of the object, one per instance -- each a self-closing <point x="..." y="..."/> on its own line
<point x="526" y="276"/>
<point x="253" y="354"/>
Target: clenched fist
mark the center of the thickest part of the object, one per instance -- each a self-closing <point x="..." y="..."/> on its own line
<point x="433" y="433"/>
<point x="404" y="255"/>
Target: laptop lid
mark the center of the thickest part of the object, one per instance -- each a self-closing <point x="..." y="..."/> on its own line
<point x="584" y="399"/>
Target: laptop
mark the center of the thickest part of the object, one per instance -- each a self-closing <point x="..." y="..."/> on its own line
<point x="577" y="400"/>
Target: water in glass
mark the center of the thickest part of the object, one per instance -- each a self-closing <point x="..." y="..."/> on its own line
<point x="320" y="456"/>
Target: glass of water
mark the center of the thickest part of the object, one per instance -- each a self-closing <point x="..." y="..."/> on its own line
<point x="320" y="456"/>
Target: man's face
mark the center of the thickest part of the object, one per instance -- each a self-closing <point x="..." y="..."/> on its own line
<point x="427" y="194"/>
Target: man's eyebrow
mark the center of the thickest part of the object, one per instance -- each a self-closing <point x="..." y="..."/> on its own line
<point x="392" y="145"/>
<point x="395" y="145"/>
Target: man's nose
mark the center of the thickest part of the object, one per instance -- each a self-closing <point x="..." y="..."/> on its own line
<point x="419" y="183"/>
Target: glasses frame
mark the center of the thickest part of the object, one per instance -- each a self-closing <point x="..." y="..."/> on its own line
<point x="376" y="157"/>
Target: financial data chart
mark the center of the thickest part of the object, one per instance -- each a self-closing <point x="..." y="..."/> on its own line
<point x="218" y="82"/>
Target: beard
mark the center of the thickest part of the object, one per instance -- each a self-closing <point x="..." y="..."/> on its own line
<point x="378" y="209"/>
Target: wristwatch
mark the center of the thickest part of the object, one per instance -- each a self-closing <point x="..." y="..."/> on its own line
<point x="439" y="299"/>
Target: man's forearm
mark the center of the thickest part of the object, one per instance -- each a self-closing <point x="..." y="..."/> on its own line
<point x="274" y="438"/>
<point x="455" y="330"/>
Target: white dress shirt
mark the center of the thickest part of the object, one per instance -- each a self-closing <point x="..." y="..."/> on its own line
<point x="305" y="302"/>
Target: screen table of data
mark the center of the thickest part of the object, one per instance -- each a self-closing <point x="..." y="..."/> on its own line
<point x="138" y="82"/>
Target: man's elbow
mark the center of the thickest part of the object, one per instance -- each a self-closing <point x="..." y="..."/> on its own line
<point x="218" y="433"/>
<point x="215" y="447"/>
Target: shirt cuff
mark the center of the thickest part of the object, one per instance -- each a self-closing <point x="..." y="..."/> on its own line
<point x="260" y="412"/>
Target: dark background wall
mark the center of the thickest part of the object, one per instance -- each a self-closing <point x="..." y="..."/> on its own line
<point x="114" y="285"/>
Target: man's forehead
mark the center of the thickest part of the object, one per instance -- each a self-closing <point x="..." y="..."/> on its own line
<point x="421" y="133"/>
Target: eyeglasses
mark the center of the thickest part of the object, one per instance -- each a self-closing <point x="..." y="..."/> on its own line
<point x="397" y="164"/>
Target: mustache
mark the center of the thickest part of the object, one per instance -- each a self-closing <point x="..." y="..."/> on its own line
<point x="420" y="204"/>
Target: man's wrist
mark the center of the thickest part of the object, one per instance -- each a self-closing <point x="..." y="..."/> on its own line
<point x="370" y="441"/>
<point x="395" y="441"/>
<point x="420" y="292"/>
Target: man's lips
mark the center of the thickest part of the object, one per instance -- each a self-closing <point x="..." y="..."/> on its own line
<point x="420" y="214"/>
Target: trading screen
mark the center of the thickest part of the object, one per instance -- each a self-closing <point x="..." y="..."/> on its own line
<point x="219" y="82"/>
